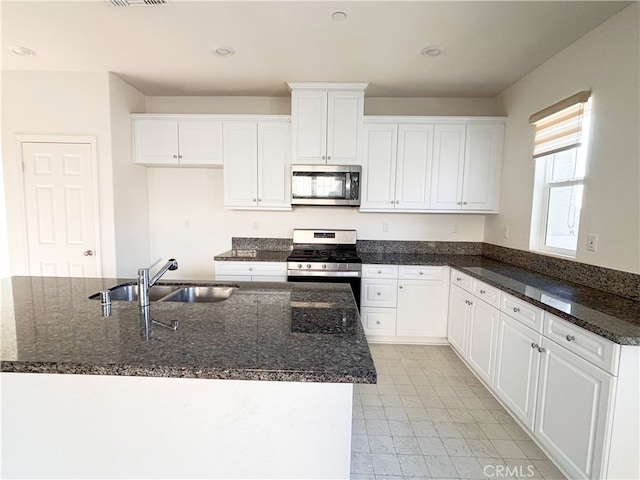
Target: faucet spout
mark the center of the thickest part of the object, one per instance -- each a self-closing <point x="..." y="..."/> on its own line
<point x="145" y="283"/>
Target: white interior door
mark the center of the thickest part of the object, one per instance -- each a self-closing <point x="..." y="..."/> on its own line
<point x="61" y="209"/>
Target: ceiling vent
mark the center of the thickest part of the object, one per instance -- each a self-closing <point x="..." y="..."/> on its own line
<point x="136" y="3"/>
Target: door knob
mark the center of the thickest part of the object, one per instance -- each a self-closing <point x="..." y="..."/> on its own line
<point x="88" y="253"/>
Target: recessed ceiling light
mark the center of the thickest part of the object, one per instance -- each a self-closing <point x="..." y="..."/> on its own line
<point x="338" y="16"/>
<point x="22" y="51"/>
<point x="431" y="51"/>
<point x="224" y="51"/>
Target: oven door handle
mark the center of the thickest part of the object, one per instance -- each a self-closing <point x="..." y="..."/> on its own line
<point x="317" y="273"/>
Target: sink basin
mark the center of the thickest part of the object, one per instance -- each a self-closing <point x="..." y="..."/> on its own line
<point x="204" y="293"/>
<point x="129" y="292"/>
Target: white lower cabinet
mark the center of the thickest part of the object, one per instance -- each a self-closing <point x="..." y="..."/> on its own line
<point x="405" y="304"/>
<point x="576" y="392"/>
<point x="571" y="416"/>
<point x="238" y="271"/>
<point x="517" y="365"/>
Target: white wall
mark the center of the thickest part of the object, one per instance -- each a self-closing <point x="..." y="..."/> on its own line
<point x="188" y="221"/>
<point x="130" y="200"/>
<point x="607" y="62"/>
<point x="55" y="103"/>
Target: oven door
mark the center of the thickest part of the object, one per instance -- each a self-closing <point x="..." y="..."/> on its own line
<point x="353" y="281"/>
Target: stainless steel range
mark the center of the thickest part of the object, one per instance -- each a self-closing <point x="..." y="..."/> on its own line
<point x="325" y="256"/>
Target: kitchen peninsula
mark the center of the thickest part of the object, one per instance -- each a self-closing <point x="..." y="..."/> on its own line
<point x="258" y="385"/>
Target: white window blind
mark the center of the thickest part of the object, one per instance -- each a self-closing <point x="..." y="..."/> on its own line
<point x="559" y="127"/>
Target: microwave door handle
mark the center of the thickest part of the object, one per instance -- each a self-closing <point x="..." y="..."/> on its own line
<point x="347" y="186"/>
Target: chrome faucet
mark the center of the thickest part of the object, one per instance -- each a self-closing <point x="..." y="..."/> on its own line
<point x="145" y="283"/>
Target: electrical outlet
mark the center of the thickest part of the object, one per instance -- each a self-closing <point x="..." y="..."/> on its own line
<point x="385" y="227"/>
<point x="592" y="242"/>
<point x="505" y="232"/>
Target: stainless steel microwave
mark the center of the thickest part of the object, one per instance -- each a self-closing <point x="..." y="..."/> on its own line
<point x="325" y="185"/>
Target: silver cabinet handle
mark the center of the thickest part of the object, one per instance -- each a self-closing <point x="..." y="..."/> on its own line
<point x="379" y="293"/>
<point x="379" y="271"/>
<point x="397" y="201"/>
<point x="324" y="157"/>
<point x="542" y="349"/>
<point x="179" y="156"/>
<point x="88" y="253"/>
<point x="458" y="279"/>
<point x="251" y="269"/>
<point x="175" y="156"/>
<point x="516" y="309"/>
<point x="377" y="322"/>
<point x="400" y="286"/>
<point x="254" y="199"/>
<point x="482" y="292"/>
<point x="570" y="338"/>
<point x="392" y="202"/>
<point x="464" y="203"/>
<point x="328" y="157"/>
<point x="459" y="203"/>
<point x="534" y="345"/>
<point x="421" y="272"/>
<point x="259" y="199"/>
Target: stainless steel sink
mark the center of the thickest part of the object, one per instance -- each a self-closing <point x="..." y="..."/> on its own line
<point x="129" y="292"/>
<point x="171" y="293"/>
<point x="200" y="293"/>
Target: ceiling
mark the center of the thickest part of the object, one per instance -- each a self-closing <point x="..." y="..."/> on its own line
<point x="166" y="50"/>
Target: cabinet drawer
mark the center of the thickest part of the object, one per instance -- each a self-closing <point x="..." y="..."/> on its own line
<point x="379" y="321"/>
<point x="599" y="351"/>
<point x="379" y="292"/>
<point x="522" y="311"/>
<point x="420" y="272"/>
<point x="460" y="279"/>
<point x="277" y="269"/>
<point x="489" y="294"/>
<point x="380" y="271"/>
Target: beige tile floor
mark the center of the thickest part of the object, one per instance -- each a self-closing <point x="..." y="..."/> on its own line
<point x="429" y="417"/>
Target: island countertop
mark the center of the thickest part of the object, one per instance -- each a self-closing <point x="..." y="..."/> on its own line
<point x="265" y="331"/>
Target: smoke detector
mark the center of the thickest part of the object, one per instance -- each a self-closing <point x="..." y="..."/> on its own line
<point x="136" y="3"/>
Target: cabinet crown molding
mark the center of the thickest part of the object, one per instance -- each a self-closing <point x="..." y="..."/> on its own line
<point x="328" y="85"/>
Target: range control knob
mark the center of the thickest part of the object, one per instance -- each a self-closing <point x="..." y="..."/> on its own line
<point x="308" y="265"/>
<point x="324" y="265"/>
<point x="299" y="265"/>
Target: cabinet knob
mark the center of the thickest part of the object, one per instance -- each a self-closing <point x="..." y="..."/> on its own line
<point x="324" y="157"/>
<point x="175" y="156"/>
<point x="534" y="345"/>
<point x="570" y="338"/>
<point x="392" y="202"/>
<point x="379" y="293"/>
<point x="379" y="271"/>
<point x="421" y="272"/>
<point x="253" y="199"/>
<point x="482" y="292"/>
<point x="542" y="349"/>
<point x="516" y="309"/>
<point x="259" y="199"/>
<point x="179" y="156"/>
<point x="458" y="279"/>
<point x="400" y="286"/>
<point x="459" y="203"/>
<point x="251" y="269"/>
<point x="377" y="322"/>
<point x="328" y="157"/>
<point x="88" y="253"/>
<point x="397" y="201"/>
<point x="464" y="203"/>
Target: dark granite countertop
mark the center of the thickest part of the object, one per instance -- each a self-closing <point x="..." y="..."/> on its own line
<point x="252" y="255"/>
<point x="265" y="331"/>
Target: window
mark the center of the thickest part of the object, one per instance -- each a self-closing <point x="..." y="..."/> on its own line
<point x="560" y="155"/>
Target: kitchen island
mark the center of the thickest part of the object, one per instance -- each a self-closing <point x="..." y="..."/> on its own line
<point x="256" y="386"/>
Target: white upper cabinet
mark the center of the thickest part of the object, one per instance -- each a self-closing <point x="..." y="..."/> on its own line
<point x="467" y="160"/>
<point x="256" y="166"/>
<point x="396" y="166"/>
<point x="174" y="141"/>
<point x="326" y="121"/>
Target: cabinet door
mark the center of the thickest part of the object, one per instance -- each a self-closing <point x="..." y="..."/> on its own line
<point x="378" y="321"/>
<point x="448" y="164"/>
<point x="379" y="168"/>
<point x="517" y="365"/>
<point x="240" y="164"/>
<point x="156" y="142"/>
<point x="200" y="143"/>
<point x="422" y="308"/>
<point x="571" y="415"/>
<point x="274" y="176"/>
<point x="482" y="164"/>
<point x="413" y="173"/>
<point x="458" y="312"/>
<point x="309" y="126"/>
<point x="379" y="292"/>
<point x="344" y="121"/>
<point x="483" y="330"/>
